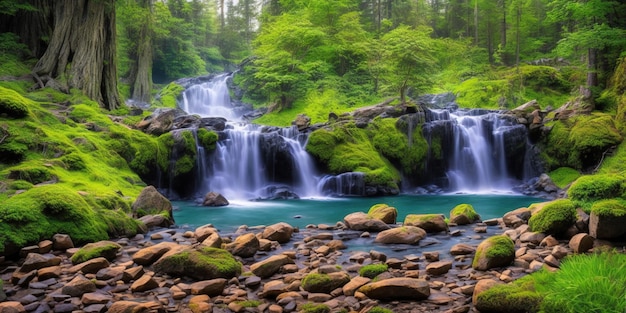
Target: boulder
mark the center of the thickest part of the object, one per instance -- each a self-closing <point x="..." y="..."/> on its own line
<point x="214" y="199"/>
<point x="302" y="122"/>
<point x="151" y="202"/>
<point x="270" y="266"/>
<point x="205" y="231"/>
<point x="211" y="288"/>
<point x="125" y="306"/>
<point x="280" y="232"/>
<point x="151" y="254"/>
<point x="554" y="217"/>
<point x="158" y="123"/>
<point x="101" y="249"/>
<point x="202" y="263"/>
<point x="355" y="283"/>
<point x="581" y="243"/>
<point x="438" y="268"/>
<point x="324" y="283"/>
<point x="35" y="261"/>
<point x="362" y="222"/>
<point x="607" y="220"/>
<point x="401" y="235"/>
<point x="431" y="223"/>
<point x="244" y="246"/>
<point x="463" y="214"/>
<point x="462" y="249"/>
<point x="515" y="218"/>
<point x="91" y="266"/>
<point x="496" y="251"/>
<point x="62" y="242"/>
<point x="397" y="289"/>
<point x="384" y="213"/>
<point x="78" y="286"/>
<point x="144" y="283"/>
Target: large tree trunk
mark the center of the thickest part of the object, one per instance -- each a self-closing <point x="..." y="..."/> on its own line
<point x="81" y="50"/>
<point x="140" y="74"/>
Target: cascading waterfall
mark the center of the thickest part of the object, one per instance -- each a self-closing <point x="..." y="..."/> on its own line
<point x="250" y="161"/>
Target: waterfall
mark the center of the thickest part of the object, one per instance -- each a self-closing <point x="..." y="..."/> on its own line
<point x="250" y="161"/>
<point x="484" y="150"/>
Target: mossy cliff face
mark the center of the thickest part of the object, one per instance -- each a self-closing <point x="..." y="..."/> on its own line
<point x="69" y="169"/>
<point x="380" y="150"/>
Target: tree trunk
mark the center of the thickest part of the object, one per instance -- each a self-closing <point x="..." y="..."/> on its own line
<point x="476" y="22"/>
<point x="592" y="71"/>
<point x="141" y="71"/>
<point x="81" y="50"/>
<point x="503" y="25"/>
<point x="30" y="26"/>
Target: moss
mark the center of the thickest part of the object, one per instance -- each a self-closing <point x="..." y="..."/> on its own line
<point x="464" y="209"/>
<point x="12" y="104"/>
<point x="609" y="208"/>
<point x="373" y="270"/>
<point x="315" y="308"/>
<point x="31" y="174"/>
<point x="500" y="246"/>
<point x="419" y="218"/>
<point x="509" y="297"/>
<point x="73" y="162"/>
<point x="107" y="250"/>
<point x="564" y="176"/>
<point x="20" y="185"/>
<point x="554" y="218"/>
<point x="168" y="96"/>
<point x="207" y="139"/>
<point x="378" y="309"/>
<point x="590" y="188"/>
<point x="409" y="153"/>
<point x="316" y="282"/>
<point x="249" y="303"/>
<point x="204" y="263"/>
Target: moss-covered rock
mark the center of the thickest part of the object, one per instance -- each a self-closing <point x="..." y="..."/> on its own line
<point x="519" y="297"/>
<point x="373" y="270"/>
<point x="564" y="176"/>
<point x="168" y="96"/>
<point x="106" y="249"/>
<point x="495" y="251"/>
<point x="554" y="217"/>
<point x="463" y="214"/>
<point x="607" y="219"/>
<point x="383" y="212"/>
<point x="12" y="104"/>
<point x="151" y="202"/>
<point x="591" y="188"/>
<point x="324" y="283"/>
<point x="431" y="223"/>
<point x="207" y="139"/>
<point x="203" y="263"/>
<point x="32" y="174"/>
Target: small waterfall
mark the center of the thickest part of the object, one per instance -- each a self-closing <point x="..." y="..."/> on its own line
<point x="346" y="184"/>
<point x="250" y="161"/>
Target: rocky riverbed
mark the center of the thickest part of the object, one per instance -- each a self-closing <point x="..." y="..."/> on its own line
<point x="277" y="262"/>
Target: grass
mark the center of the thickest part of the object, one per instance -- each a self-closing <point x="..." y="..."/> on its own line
<point x="564" y="176"/>
<point x="373" y="270"/>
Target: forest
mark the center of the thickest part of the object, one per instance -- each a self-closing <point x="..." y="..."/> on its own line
<point x="84" y="85"/>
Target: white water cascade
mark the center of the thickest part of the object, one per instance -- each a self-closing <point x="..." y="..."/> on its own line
<point x="250" y="161"/>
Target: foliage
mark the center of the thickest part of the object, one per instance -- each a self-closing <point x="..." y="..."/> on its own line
<point x="554" y="218"/>
<point x="373" y="270"/>
<point x="564" y="176"/>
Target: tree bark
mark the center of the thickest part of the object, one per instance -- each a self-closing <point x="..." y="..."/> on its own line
<point x="140" y="74"/>
<point x="81" y="50"/>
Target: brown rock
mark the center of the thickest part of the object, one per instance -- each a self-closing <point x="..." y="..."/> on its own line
<point x="135" y="307"/>
<point x="211" y="288"/>
<point x="532" y="237"/>
<point x="132" y="273"/>
<point x="431" y="223"/>
<point x="462" y="249"/>
<point x="144" y="283"/>
<point x="397" y="289"/>
<point x="280" y="232"/>
<point x="90" y="267"/>
<point x="355" y="283"/>
<point x="270" y="266"/>
<point x="244" y="246"/>
<point x="549" y="242"/>
<point x="516" y="217"/>
<point x="607" y="227"/>
<point x="214" y="199"/>
<point x="11" y="307"/>
<point x="384" y="213"/>
<point x="78" y="286"/>
<point x="401" y="235"/>
<point x="95" y="298"/>
<point x="35" y="261"/>
<point x="62" y="242"/>
<point x="431" y="256"/>
<point x="45" y="246"/>
<point x="361" y="221"/>
<point x="149" y="255"/>
<point x="438" y="268"/>
<point x="49" y="272"/>
<point x="581" y="243"/>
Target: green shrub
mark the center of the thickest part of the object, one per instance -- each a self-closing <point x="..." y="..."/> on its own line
<point x="315" y="308"/>
<point x="13" y="104"/>
<point x="563" y="176"/>
<point x="554" y="218"/>
<point x="373" y="270"/>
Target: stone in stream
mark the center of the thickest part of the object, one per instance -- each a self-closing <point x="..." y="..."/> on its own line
<point x="397" y="289"/>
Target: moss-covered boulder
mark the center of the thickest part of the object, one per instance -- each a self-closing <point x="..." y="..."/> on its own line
<point x="383" y="212"/>
<point x="519" y="297"/>
<point x="463" y="214"/>
<point x="397" y="288"/>
<point x="12" y="104"/>
<point x="410" y="235"/>
<point x="607" y="219"/>
<point x="324" y="283"/>
<point x="151" y="202"/>
<point x="554" y="217"/>
<point x="362" y="221"/>
<point x="591" y="188"/>
<point x="431" y="223"/>
<point x="202" y="263"/>
<point x="106" y="249"/>
<point x="496" y="251"/>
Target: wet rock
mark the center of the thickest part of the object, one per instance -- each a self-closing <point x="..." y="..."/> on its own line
<point x="397" y="289"/>
<point x="90" y="267"/>
<point x="270" y="266"/>
<point x="581" y="243"/>
<point x="35" y="261"/>
<point x="482" y="286"/>
<point x="214" y="199"/>
<point x="361" y="221"/>
<point x="324" y="283"/>
<point x="78" y="286"/>
<point x="101" y="249"/>
<point x="496" y="251"/>
<point x="431" y="223"/>
<point x="62" y="242"/>
<point x="438" y="268"/>
<point x="151" y="254"/>
<point x="401" y="235"/>
<point x="384" y="213"/>
<point x="280" y="232"/>
<point x="463" y="214"/>
<point x="200" y="263"/>
<point x="516" y="217"/>
<point x="355" y="283"/>
<point x="95" y="298"/>
<point x="244" y="246"/>
<point x="132" y="306"/>
<point x="302" y="122"/>
<point x="144" y="283"/>
<point x="151" y="202"/>
<point x="462" y="249"/>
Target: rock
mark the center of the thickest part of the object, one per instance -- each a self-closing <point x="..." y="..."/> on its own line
<point x="111" y="272"/>
<point x="280" y="232"/>
<point x="49" y="272"/>
<point x="397" y="289"/>
<point x="431" y="256"/>
<point x="214" y="199"/>
<point x="355" y="283"/>
<point x="203" y="232"/>
<point x="151" y="254"/>
<point x="532" y="237"/>
<point x="361" y="221"/>
<point x="144" y="283"/>
<point x="607" y="223"/>
<point x="90" y="267"/>
<point x="132" y="273"/>
<point x="211" y="288"/>
<point x="384" y="213"/>
<point x="552" y="261"/>
<point x="431" y="223"/>
<point x="553" y="217"/>
<point x="274" y="288"/>
<point x="462" y="249"/>
<point x="158" y="123"/>
<point x="95" y="298"/>
<point x="135" y="307"/>
<point x="515" y="218"/>
<point x="545" y="183"/>
<point x="302" y="122"/>
<point x="35" y="261"/>
<point x="581" y="243"/>
<point x="78" y="286"/>
<point x="244" y="246"/>
<point x="438" y="268"/>
<point x="270" y="266"/>
<point x="155" y="220"/>
<point x="324" y="283"/>
<point x="151" y="202"/>
<point x="101" y="249"/>
<point x="200" y="263"/>
<point x="463" y="214"/>
<point x="482" y="286"/>
<point x="549" y="242"/>
<point x="401" y="235"/>
<point x="496" y="251"/>
<point x="527" y="107"/>
<point x="12" y="307"/>
<point x="62" y="242"/>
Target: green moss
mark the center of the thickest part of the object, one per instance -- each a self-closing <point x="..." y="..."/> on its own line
<point x="609" y="208"/>
<point x="409" y="153"/>
<point x="501" y="246"/>
<point x="12" y="104"/>
<point x="464" y="209"/>
<point x="316" y="282"/>
<point x="203" y="263"/>
<point x="73" y="162"/>
<point x="168" y="96"/>
<point x="510" y="297"/>
<point x="315" y="308"/>
<point x="378" y="309"/>
<point x="373" y="270"/>
<point x="249" y="303"/>
<point x="92" y="251"/>
<point x="590" y="188"/>
<point x="207" y="139"/>
<point x="411" y="219"/>
<point x="564" y="176"/>
<point x="32" y="174"/>
<point x="20" y="185"/>
<point x="554" y="218"/>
